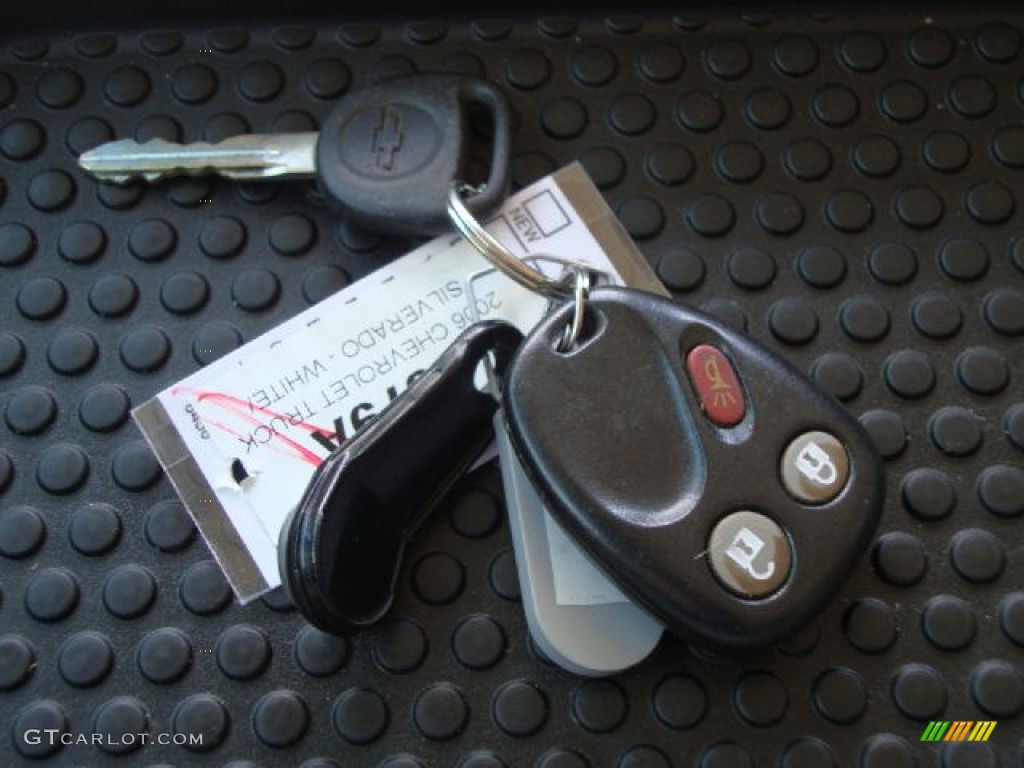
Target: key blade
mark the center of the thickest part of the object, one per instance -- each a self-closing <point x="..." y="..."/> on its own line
<point x="247" y="157"/>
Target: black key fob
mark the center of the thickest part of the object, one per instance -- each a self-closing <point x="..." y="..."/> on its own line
<point x="341" y="548"/>
<point x="716" y="484"/>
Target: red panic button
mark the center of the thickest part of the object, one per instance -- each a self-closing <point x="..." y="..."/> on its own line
<point x="715" y="380"/>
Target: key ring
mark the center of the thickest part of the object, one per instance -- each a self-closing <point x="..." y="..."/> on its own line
<point x="581" y="288"/>
<point x="500" y="256"/>
<point x="582" y="282"/>
<point x="520" y="271"/>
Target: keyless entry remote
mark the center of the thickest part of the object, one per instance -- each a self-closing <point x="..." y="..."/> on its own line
<point x="720" y="488"/>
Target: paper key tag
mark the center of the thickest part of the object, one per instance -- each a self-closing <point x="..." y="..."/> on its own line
<point x="240" y="438"/>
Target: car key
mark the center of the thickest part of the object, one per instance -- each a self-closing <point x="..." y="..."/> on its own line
<point x="385" y="154"/>
<point x="341" y="548"/>
<point x="721" y="489"/>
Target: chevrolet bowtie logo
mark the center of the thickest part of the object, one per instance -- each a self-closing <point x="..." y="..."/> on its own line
<point x="388" y="136"/>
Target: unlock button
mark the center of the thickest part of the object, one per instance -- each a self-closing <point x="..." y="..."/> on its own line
<point x="749" y="554"/>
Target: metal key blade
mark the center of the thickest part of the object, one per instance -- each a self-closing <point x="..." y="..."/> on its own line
<point x="248" y="157"/>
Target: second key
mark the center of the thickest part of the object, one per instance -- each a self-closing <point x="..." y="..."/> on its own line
<point x="386" y="154"/>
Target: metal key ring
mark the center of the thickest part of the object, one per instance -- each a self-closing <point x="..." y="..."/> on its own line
<point x="502" y="258"/>
<point x="572" y="332"/>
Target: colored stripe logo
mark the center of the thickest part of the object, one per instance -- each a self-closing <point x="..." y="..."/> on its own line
<point x="958" y="730"/>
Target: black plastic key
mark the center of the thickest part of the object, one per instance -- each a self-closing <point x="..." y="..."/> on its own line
<point x="717" y="485"/>
<point x="341" y="548"/>
<point x="387" y="154"/>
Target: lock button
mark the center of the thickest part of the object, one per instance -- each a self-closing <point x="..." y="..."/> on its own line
<point x="815" y="467"/>
<point x="749" y="554"/>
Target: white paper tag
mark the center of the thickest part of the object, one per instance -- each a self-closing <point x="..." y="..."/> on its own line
<point x="240" y="438"/>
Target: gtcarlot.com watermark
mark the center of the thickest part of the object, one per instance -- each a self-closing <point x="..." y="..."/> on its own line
<point x="54" y="737"/>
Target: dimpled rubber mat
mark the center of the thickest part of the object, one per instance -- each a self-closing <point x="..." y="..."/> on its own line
<point x="848" y="191"/>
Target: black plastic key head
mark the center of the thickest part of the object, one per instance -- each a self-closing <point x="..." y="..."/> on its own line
<point x="716" y="484"/>
<point x="341" y="548"/>
<point x="389" y="152"/>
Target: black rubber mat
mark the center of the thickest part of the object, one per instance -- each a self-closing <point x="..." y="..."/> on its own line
<point x="849" y="191"/>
